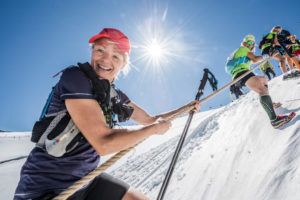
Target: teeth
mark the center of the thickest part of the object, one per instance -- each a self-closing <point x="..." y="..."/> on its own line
<point x="100" y="67"/>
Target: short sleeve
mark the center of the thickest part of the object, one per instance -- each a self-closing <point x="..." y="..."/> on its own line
<point x="241" y="52"/>
<point x="74" y="84"/>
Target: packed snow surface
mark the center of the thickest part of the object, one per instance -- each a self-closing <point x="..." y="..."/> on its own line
<point x="231" y="153"/>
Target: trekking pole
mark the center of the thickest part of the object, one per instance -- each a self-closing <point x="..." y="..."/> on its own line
<point x="181" y="141"/>
<point x="182" y="138"/>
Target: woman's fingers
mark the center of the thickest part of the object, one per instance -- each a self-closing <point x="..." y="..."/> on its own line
<point x="196" y="106"/>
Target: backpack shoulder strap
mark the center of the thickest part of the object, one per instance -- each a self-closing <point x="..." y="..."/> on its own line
<point x="100" y="87"/>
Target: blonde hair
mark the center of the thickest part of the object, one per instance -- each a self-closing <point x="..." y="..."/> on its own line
<point x="127" y="67"/>
<point x="276" y="27"/>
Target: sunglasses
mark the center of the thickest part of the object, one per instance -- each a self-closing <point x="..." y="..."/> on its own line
<point x="249" y="42"/>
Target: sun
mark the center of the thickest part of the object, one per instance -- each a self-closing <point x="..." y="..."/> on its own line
<point x="161" y="46"/>
<point x="155" y="50"/>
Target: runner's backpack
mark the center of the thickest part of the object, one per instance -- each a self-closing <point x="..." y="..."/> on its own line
<point x="57" y="134"/>
<point x="263" y="41"/>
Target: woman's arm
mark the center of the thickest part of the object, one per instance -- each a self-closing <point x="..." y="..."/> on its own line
<point x="142" y="117"/>
<point x="89" y="118"/>
<point x="254" y="58"/>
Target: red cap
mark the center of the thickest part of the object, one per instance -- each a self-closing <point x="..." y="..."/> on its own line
<point x="115" y="35"/>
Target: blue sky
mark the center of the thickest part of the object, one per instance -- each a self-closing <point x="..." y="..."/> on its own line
<point x="40" y="38"/>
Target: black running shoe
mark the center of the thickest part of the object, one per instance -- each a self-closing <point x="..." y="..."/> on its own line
<point x="287" y="76"/>
<point x="296" y="73"/>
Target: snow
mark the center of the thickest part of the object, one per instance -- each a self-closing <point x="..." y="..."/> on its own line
<point x="230" y="153"/>
<point x="12" y="146"/>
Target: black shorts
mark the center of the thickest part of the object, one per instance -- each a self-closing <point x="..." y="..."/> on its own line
<point x="243" y="80"/>
<point x="267" y="51"/>
<point x="104" y="187"/>
<point x="271" y="50"/>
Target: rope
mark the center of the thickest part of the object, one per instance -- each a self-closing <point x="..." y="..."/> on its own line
<point x="93" y="174"/>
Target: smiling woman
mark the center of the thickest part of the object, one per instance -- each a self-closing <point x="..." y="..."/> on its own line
<point x="77" y="127"/>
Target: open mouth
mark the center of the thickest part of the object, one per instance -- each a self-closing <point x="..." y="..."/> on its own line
<point x="99" y="67"/>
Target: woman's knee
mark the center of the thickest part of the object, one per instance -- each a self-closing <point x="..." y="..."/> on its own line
<point x="134" y="194"/>
<point x="255" y="83"/>
<point x="263" y="90"/>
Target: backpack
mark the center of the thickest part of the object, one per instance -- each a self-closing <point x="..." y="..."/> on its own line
<point x="57" y="134"/>
<point x="264" y="40"/>
<point x="283" y="36"/>
<point x="231" y="64"/>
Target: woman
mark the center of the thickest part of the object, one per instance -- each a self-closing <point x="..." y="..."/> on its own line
<point x="239" y="63"/>
<point x="79" y="116"/>
<point x="294" y="47"/>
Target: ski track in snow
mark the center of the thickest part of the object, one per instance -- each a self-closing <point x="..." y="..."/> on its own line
<point x="150" y="176"/>
<point x="13" y="159"/>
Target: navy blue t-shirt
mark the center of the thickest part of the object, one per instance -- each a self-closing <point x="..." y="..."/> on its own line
<point x="44" y="173"/>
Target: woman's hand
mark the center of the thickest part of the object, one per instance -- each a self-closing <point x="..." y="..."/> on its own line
<point x="195" y="106"/>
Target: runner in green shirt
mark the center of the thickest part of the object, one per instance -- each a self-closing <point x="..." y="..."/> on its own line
<point x="239" y="63"/>
<point x="294" y="47"/>
<point x="267" y="68"/>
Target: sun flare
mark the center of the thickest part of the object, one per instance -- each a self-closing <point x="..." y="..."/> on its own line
<point x="155" y="50"/>
<point x="161" y="46"/>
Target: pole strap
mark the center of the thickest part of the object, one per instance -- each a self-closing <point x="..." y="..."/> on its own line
<point x="213" y="81"/>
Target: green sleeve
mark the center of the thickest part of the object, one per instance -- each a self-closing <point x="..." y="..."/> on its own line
<point x="271" y="35"/>
<point x="262" y="69"/>
<point x="270" y="65"/>
<point x="241" y="52"/>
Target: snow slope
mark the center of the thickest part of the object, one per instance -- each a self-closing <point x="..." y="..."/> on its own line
<point x="231" y="153"/>
<point x="13" y="147"/>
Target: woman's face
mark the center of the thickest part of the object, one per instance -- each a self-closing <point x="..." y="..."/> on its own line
<point x="107" y="59"/>
<point x="293" y="38"/>
<point x="278" y="30"/>
<point x="250" y="44"/>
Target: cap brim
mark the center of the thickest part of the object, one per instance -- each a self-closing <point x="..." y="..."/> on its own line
<point x="98" y="36"/>
<point x="125" y="49"/>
